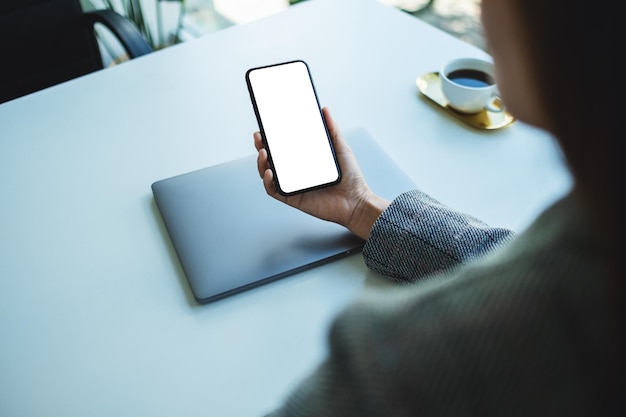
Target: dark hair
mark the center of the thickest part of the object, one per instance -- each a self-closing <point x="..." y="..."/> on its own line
<point x="574" y="53"/>
<point x="575" y="46"/>
<point x="574" y="56"/>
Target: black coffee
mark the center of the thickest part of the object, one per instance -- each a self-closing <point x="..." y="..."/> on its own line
<point x="471" y="78"/>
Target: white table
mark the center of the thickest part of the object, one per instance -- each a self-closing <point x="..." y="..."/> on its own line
<point x="96" y="318"/>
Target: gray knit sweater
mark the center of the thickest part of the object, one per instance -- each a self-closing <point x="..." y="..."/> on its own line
<point x="482" y="322"/>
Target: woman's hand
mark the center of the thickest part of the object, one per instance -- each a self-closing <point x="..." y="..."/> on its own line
<point x="349" y="203"/>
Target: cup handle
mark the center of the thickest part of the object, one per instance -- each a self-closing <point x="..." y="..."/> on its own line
<point x="495" y="104"/>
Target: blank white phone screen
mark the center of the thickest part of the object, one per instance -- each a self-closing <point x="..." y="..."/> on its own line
<point x="291" y="120"/>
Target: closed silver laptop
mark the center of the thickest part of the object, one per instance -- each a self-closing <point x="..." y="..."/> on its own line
<point x="230" y="236"/>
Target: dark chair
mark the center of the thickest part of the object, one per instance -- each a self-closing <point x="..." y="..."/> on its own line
<point x="46" y="42"/>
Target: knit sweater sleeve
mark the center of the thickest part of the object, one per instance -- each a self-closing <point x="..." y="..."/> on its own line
<point x="418" y="236"/>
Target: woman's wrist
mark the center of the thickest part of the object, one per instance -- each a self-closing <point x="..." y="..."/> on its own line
<point x="365" y="214"/>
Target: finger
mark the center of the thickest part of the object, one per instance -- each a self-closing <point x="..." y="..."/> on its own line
<point x="330" y="122"/>
<point x="270" y="186"/>
<point x="268" y="183"/>
<point x="261" y="162"/>
<point x="258" y="141"/>
<point x="334" y="131"/>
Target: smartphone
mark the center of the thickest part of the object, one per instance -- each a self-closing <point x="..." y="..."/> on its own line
<point x="291" y="123"/>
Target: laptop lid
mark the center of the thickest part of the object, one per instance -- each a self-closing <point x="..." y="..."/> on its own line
<point x="230" y="236"/>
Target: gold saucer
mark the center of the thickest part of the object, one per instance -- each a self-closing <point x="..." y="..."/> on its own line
<point x="430" y="86"/>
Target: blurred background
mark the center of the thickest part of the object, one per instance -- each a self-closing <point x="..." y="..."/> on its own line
<point x="168" y="22"/>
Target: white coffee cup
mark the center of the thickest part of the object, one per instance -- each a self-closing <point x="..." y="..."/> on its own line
<point x="469" y="85"/>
